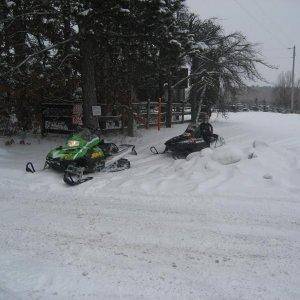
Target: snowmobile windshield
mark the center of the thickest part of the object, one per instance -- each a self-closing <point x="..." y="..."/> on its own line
<point x="86" y="134"/>
<point x="82" y="138"/>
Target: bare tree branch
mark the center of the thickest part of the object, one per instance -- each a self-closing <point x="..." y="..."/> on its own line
<point x="29" y="57"/>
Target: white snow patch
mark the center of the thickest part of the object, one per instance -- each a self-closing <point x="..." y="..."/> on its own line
<point x="10" y="4"/>
<point x="202" y="46"/>
<point x="86" y="12"/>
<point x="175" y="42"/>
<point x="259" y="144"/>
<point x="227" y="155"/>
<point x="268" y="176"/>
<point x="124" y="10"/>
<point x="206" y="152"/>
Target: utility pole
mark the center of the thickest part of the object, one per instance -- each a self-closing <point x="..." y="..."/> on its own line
<point x="293" y="80"/>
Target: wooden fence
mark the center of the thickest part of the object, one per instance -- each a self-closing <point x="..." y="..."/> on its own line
<point x="146" y="115"/>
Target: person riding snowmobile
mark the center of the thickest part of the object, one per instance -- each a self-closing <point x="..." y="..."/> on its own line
<point x="206" y="131"/>
<point x="195" y="138"/>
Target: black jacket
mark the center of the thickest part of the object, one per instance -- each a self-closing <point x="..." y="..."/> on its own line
<point x="204" y="129"/>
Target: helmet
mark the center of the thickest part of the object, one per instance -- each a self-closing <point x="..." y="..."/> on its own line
<point x="204" y="117"/>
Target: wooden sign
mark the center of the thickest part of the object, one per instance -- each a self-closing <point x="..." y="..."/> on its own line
<point x="96" y="110"/>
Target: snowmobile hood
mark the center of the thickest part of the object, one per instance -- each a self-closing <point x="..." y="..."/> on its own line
<point x="76" y="147"/>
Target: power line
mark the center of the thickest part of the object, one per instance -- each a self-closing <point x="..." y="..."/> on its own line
<point x="262" y="10"/>
<point x="259" y="21"/>
<point x="281" y="57"/>
<point x="276" y="49"/>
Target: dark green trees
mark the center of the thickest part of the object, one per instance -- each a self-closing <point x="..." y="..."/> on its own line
<point x="106" y="51"/>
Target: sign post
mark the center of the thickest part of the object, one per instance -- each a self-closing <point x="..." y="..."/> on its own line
<point x="159" y="113"/>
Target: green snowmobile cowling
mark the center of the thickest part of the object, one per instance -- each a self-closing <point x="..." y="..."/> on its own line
<point x="76" y="150"/>
<point x="85" y="152"/>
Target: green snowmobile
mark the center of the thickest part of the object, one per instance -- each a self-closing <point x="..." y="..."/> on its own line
<point x="85" y="152"/>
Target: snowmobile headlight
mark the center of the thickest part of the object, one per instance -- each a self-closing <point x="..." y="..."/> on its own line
<point x="72" y="143"/>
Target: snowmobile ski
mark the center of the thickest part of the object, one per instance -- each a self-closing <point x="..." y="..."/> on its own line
<point x="31" y="169"/>
<point x="155" y="151"/>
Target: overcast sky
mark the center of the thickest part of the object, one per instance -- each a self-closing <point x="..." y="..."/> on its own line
<point x="275" y="24"/>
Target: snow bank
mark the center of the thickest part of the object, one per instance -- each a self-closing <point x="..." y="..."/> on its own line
<point x="206" y="152"/>
<point x="227" y="155"/>
<point x="10" y="4"/>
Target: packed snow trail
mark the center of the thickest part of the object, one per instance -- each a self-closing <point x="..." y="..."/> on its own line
<point x="219" y="225"/>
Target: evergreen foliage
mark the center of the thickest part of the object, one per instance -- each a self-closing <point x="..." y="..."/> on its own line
<point x="106" y="51"/>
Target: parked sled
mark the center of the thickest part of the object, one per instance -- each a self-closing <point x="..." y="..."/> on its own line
<point x="83" y="153"/>
<point x="190" y="141"/>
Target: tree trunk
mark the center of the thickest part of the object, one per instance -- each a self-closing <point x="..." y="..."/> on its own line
<point x="169" y="106"/>
<point x="200" y="104"/>
<point x="130" y="125"/>
<point x="88" y="82"/>
<point x="194" y="92"/>
<point x="18" y="33"/>
<point x="67" y="68"/>
<point x="194" y="104"/>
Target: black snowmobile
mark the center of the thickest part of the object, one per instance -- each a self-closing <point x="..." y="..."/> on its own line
<point x="192" y="140"/>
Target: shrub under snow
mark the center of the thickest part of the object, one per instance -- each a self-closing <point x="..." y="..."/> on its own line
<point x="227" y="155"/>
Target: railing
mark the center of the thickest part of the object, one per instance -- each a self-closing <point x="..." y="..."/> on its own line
<point x="147" y="114"/>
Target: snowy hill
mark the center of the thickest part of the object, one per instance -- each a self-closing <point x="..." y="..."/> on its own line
<point x="218" y="225"/>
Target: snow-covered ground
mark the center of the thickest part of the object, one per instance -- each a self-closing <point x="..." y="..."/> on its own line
<point x="216" y="226"/>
